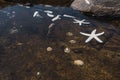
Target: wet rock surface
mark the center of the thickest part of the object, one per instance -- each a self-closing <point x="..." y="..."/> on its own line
<point x="26" y="35"/>
<point x="50" y="2"/>
<point x="98" y="7"/>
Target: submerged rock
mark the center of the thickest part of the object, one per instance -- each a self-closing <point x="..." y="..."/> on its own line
<point x="53" y="29"/>
<point x="98" y="7"/>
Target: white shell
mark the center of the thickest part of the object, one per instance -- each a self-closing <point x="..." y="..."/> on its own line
<point x="19" y="44"/>
<point x="38" y="73"/>
<point x="49" y="49"/>
<point x="69" y="34"/>
<point x="78" y="62"/>
<point x="72" y="41"/>
<point x="67" y="50"/>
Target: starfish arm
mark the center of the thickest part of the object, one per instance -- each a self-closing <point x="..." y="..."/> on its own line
<point x="75" y="22"/>
<point x="84" y="34"/>
<point x="69" y="16"/>
<point x="51" y="25"/>
<point x="86" y="22"/>
<point x="36" y="14"/>
<point x="83" y="20"/>
<point x="98" y="39"/>
<point x="80" y="23"/>
<point x="93" y="32"/>
<point x="47" y="11"/>
<point x="56" y="18"/>
<point x="99" y="34"/>
<point x="89" y="39"/>
<point x="50" y="15"/>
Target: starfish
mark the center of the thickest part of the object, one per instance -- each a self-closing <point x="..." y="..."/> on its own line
<point x="69" y="16"/>
<point x="80" y="22"/>
<point x="36" y="14"/>
<point x="56" y="18"/>
<point x="93" y="35"/>
<point x="49" y="13"/>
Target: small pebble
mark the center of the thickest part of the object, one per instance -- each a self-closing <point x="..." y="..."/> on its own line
<point x="49" y="49"/>
<point x="67" y="50"/>
<point x="72" y="41"/>
<point x="38" y="73"/>
<point x="78" y="62"/>
<point x="19" y="44"/>
<point x="13" y="12"/>
<point x="69" y="34"/>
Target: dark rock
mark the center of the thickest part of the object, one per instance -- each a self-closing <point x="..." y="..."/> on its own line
<point x="13" y="0"/>
<point x="50" y="2"/>
<point x="29" y="4"/>
<point x="98" y="7"/>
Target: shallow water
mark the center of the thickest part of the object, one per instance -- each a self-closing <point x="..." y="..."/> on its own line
<point x="22" y="19"/>
<point x="26" y="34"/>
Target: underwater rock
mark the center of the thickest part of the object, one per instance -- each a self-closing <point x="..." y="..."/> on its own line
<point x="25" y="52"/>
<point x="98" y="7"/>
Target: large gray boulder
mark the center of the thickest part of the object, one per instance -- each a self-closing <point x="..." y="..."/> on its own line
<point x="98" y="7"/>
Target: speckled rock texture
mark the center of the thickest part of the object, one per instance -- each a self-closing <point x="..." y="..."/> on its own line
<point x="98" y="7"/>
<point x="50" y="2"/>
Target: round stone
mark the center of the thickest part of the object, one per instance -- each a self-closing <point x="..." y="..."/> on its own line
<point x="78" y="62"/>
<point x="72" y="41"/>
<point x="38" y="73"/>
<point x="67" y="50"/>
<point x="19" y="44"/>
<point x="49" y="49"/>
<point x="69" y="34"/>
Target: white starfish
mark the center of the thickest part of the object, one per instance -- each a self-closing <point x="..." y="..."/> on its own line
<point x="49" y="13"/>
<point x="36" y="14"/>
<point x="93" y="35"/>
<point x="69" y="16"/>
<point x="56" y="18"/>
<point x="80" y="22"/>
